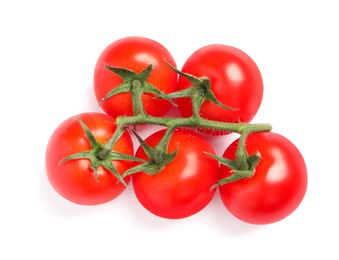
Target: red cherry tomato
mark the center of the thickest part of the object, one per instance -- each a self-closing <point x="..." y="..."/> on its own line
<point x="235" y="81"/>
<point x="277" y="187"/>
<point x="182" y="188"/>
<point x="74" y="179"/>
<point x="136" y="54"/>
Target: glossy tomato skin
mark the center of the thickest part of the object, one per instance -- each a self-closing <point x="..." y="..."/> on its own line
<point x="134" y="53"/>
<point x="277" y="187"/>
<point x="235" y="81"/>
<point x="74" y="179"/>
<point x="182" y="188"/>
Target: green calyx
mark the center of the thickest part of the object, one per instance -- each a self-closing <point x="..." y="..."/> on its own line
<point x="136" y="84"/>
<point x="198" y="92"/>
<point x="94" y="155"/>
<point x="243" y="166"/>
<point x="158" y="156"/>
<point x="240" y="168"/>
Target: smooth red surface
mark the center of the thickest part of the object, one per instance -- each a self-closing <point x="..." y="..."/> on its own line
<point x="277" y="187"/>
<point x="74" y="179"/>
<point x="182" y="188"/>
<point x="134" y="53"/>
<point x="235" y="81"/>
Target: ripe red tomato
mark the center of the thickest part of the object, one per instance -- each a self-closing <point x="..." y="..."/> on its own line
<point x="136" y="54"/>
<point x="74" y="179"/>
<point x="182" y="188"/>
<point x="277" y="187"/>
<point x="235" y="81"/>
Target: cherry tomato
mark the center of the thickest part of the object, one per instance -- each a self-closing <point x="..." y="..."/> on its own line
<point x="74" y="179"/>
<point x="136" y="54"/>
<point x="182" y="188"/>
<point x="235" y="81"/>
<point x="277" y="187"/>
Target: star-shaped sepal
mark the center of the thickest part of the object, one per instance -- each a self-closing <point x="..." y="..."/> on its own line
<point x="239" y="169"/>
<point x="135" y="83"/>
<point x="198" y="92"/>
<point x="158" y="158"/>
<point x="95" y="160"/>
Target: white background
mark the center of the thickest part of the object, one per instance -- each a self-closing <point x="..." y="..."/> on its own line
<point x="48" y="50"/>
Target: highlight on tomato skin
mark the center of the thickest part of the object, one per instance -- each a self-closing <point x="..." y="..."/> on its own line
<point x="134" y="53"/>
<point x="236" y="82"/>
<point x="277" y="187"/>
<point x="75" y="179"/>
<point x="182" y="188"/>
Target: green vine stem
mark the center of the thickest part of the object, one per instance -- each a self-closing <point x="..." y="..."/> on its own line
<point x="242" y="167"/>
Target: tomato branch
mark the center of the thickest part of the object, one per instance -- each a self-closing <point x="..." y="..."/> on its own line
<point x="199" y="92"/>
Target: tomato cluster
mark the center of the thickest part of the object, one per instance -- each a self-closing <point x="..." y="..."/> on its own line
<point x="90" y="158"/>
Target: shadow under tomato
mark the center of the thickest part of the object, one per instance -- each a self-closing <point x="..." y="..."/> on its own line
<point x="141" y="216"/>
<point x="227" y="224"/>
<point x="54" y="204"/>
